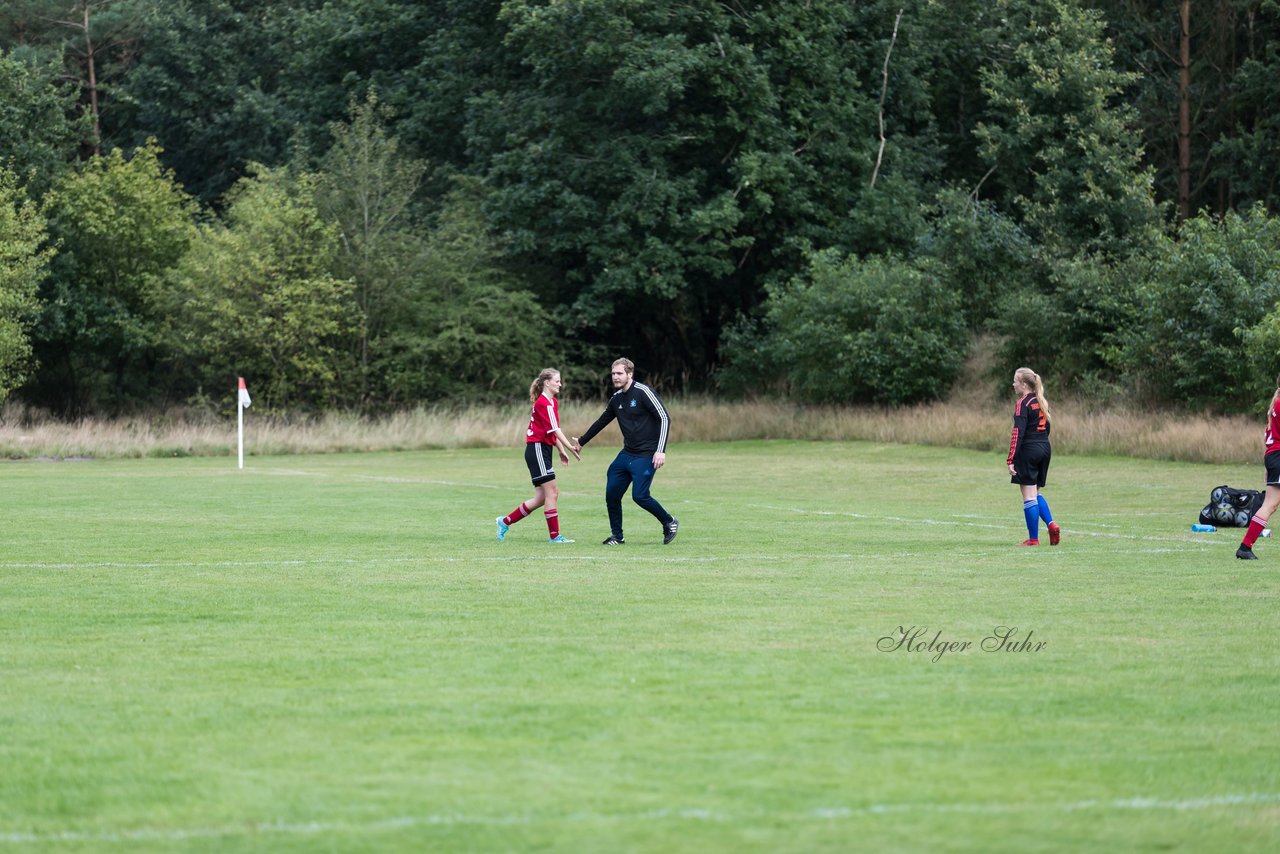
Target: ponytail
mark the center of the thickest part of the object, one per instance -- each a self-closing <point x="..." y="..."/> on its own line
<point x="1032" y="379"/>
<point x="535" y="390"/>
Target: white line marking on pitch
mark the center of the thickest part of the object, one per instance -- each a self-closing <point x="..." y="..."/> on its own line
<point x="432" y="481"/>
<point x="312" y="828"/>
<point x="559" y="556"/>
<point x="1073" y="531"/>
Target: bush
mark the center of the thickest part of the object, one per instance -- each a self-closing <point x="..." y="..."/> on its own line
<point x="23" y="264"/>
<point x="1071" y="325"/>
<point x="979" y="252"/>
<point x="1206" y="318"/>
<point x="879" y="331"/>
<point x="463" y="328"/>
<point x="254" y="297"/>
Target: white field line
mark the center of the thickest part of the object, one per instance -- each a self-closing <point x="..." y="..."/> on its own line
<point x="339" y="475"/>
<point x="558" y="555"/>
<point x="951" y="520"/>
<point x="426" y="480"/>
<point x="457" y="483"/>
<point x="317" y="828"/>
<point x="561" y="554"/>
<point x="957" y="521"/>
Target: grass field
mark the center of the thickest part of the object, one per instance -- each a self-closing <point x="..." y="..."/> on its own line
<point x="333" y="653"/>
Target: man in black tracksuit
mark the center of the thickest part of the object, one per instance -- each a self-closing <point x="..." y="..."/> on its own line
<point x="645" y="428"/>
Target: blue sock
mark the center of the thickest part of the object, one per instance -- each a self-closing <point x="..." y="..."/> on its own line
<point x="1031" y="510"/>
<point x="1045" y="514"/>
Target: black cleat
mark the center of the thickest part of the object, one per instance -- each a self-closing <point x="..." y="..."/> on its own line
<point x="1246" y="553"/>
<point x="669" y="530"/>
<point x="613" y="541"/>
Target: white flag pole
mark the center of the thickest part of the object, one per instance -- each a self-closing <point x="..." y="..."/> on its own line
<point x="242" y="402"/>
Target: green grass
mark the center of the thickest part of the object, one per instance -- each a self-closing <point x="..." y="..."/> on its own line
<point x="332" y="653"/>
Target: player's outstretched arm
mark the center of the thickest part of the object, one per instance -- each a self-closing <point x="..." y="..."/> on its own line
<point x="566" y="447"/>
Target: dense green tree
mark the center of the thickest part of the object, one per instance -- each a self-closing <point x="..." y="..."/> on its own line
<point x="462" y="330"/>
<point x="255" y="296"/>
<point x="1204" y="292"/>
<point x="91" y="40"/>
<point x="366" y="186"/>
<point x="119" y="223"/>
<point x="1232" y="69"/>
<point x="24" y="257"/>
<point x="38" y="135"/>
<point x="206" y="85"/>
<point x="655" y="164"/>
<point x="439" y="316"/>
<point x="1062" y="149"/>
<point x="977" y="251"/>
<point x="644" y="171"/>
<point x="425" y="59"/>
<point x="1070" y="320"/>
<point x="1244" y="155"/>
<point x="1262" y="346"/>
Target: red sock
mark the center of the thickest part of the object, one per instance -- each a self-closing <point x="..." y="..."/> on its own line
<point x="1256" y="526"/>
<point x="516" y="515"/>
<point x="553" y="522"/>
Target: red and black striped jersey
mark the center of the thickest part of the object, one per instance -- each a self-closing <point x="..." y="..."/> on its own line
<point x="1029" y="424"/>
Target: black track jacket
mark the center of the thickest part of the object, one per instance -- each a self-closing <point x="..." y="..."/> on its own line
<point x="641" y="416"/>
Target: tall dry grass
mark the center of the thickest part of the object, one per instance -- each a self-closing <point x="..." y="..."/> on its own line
<point x="964" y="422"/>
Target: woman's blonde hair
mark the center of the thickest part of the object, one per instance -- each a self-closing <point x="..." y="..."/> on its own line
<point x="1028" y="377"/>
<point x="536" y="389"/>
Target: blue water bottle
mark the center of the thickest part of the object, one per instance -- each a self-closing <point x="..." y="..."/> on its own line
<point x="1203" y="529"/>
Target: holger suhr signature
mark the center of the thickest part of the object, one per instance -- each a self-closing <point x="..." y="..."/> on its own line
<point x="919" y="639"/>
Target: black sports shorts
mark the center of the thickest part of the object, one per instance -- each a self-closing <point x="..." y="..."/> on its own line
<point x="1031" y="464"/>
<point x="537" y="456"/>
<point x="1272" y="462"/>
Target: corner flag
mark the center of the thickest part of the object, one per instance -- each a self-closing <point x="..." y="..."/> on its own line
<point x="240" y="408"/>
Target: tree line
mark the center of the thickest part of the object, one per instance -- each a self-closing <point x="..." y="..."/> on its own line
<point x="370" y="204"/>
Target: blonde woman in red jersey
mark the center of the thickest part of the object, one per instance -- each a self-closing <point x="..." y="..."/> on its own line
<point x="543" y="435"/>
<point x="1271" y="461"/>
<point x="1029" y="454"/>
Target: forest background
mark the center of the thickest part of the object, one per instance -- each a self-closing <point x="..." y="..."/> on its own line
<point x="370" y="205"/>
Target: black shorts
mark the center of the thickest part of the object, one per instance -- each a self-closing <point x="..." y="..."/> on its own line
<point x="1272" y="462"/>
<point x="537" y="456"/>
<point x="1031" y="465"/>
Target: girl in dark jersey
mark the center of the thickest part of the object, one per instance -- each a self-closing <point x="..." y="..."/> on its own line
<point x="1029" y="454"/>
<point x="543" y="435"/>
<point x="1270" y="461"/>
